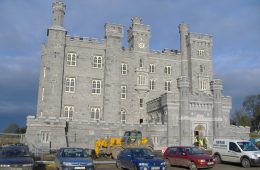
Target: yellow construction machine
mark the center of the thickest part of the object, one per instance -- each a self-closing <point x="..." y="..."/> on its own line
<point x="111" y="146"/>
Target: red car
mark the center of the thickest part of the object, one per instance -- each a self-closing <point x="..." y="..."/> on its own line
<point x="186" y="156"/>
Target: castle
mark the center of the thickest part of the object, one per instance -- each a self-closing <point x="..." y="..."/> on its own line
<point x="92" y="88"/>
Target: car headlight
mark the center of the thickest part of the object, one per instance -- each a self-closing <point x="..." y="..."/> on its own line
<point x="4" y="165"/>
<point x="201" y="160"/>
<point x="143" y="164"/>
<point x="254" y="156"/>
<point x="66" y="163"/>
<point x="27" y="165"/>
<point x="90" y="164"/>
<point x="163" y="163"/>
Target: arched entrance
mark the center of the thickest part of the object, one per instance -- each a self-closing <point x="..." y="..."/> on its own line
<point x="200" y="131"/>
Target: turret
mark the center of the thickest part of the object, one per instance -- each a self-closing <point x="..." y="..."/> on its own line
<point x="183" y="30"/>
<point x="58" y="12"/>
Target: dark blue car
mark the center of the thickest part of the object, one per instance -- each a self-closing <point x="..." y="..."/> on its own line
<point x="139" y="159"/>
<point x="15" y="157"/>
<point x="73" y="159"/>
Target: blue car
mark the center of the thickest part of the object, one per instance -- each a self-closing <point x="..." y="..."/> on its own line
<point x="73" y="159"/>
<point x="15" y="157"/>
<point x="139" y="159"/>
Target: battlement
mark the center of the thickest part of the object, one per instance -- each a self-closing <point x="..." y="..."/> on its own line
<point x="84" y="40"/>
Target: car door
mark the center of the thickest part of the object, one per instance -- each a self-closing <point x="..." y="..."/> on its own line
<point x="179" y="157"/>
<point x="233" y="154"/>
<point x="123" y="158"/>
<point x="171" y="155"/>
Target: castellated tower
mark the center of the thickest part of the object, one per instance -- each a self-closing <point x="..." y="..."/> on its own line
<point x="52" y="66"/>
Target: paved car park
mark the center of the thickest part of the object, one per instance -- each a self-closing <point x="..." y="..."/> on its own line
<point x="216" y="167"/>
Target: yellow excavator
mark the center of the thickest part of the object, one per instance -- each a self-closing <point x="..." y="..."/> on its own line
<point x="113" y="145"/>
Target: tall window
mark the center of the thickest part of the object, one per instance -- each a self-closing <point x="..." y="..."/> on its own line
<point x="168" y="70"/>
<point x="124" y="69"/>
<point x="202" y="68"/>
<point x="95" y="113"/>
<point x="152" y="84"/>
<point x="167" y="85"/>
<point x="123" y="92"/>
<point x="201" y="52"/>
<point x="204" y="83"/>
<point x="68" y="111"/>
<point x="141" y="103"/>
<point x="45" y="137"/>
<point x="42" y="93"/>
<point x="141" y="80"/>
<point x="141" y="63"/>
<point x="71" y="59"/>
<point x="123" y="116"/>
<point x="97" y="61"/>
<point x="70" y="84"/>
<point x="96" y="86"/>
<point x="152" y="68"/>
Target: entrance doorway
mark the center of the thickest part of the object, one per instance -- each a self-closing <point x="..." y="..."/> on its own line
<point x="200" y="131"/>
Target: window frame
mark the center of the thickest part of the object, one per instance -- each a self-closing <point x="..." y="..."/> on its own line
<point x="97" y="61"/>
<point x="168" y="70"/>
<point x="167" y="86"/>
<point x="95" y="113"/>
<point x="123" y="91"/>
<point x="96" y="86"/>
<point x="152" y="68"/>
<point x="123" y="116"/>
<point x="70" y="84"/>
<point x="71" y="59"/>
<point x="123" y="69"/>
<point x="68" y="112"/>
<point x="152" y="84"/>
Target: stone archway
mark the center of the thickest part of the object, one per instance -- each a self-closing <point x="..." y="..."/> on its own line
<point x="200" y="130"/>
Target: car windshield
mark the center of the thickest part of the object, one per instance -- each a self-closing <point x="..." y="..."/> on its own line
<point x="73" y="152"/>
<point x="14" y="151"/>
<point x="142" y="153"/>
<point x="247" y="146"/>
<point x="194" y="151"/>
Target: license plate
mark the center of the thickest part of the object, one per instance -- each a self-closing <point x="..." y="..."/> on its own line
<point x="155" y="168"/>
<point x="16" y="169"/>
<point x="210" y="163"/>
<point x="79" y="167"/>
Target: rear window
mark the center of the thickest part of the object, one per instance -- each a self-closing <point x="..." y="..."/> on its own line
<point x="194" y="151"/>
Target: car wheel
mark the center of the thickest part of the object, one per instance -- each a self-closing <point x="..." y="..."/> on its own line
<point x="168" y="163"/>
<point x="118" y="166"/>
<point x="217" y="159"/>
<point x="192" y="166"/>
<point x="245" y="163"/>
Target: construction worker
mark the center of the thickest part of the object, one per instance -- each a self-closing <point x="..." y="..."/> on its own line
<point x="205" y="142"/>
<point x="196" y="142"/>
<point x="200" y="142"/>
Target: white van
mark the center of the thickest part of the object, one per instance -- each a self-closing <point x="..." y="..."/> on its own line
<point x="237" y="151"/>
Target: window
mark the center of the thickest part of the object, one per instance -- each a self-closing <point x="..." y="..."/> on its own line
<point x="68" y="111"/>
<point x="152" y="84"/>
<point x="167" y="70"/>
<point x="233" y="147"/>
<point x="70" y="85"/>
<point x="123" y="116"/>
<point x="123" y="92"/>
<point x="45" y="137"/>
<point x="152" y="68"/>
<point x="44" y="72"/>
<point x="124" y="69"/>
<point x="141" y="80"/>
<point x="141" y="103"/>
<point x="202" y="68"/>
<point x="155" y="139"/>
<point x="201" y="52"/>
<point x="167" y="86"/>
<point x="42" y="93"/>
<point x="97" y="62"/>
<point x="204" y="84"/>
<point x="95" y="113"/>
<point x="71" y="59"/>
<point x="141" y="63"/>
<point x="96" y="86"/>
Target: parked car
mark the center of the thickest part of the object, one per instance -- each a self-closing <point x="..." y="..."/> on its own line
<point x="139" y="159"/>
<point x="15" y="157"/>
<point x="186" y="156"/>
<point x="73" y="158"/>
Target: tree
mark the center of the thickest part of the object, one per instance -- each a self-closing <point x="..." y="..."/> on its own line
<point x="251" y="105"/>
<point x="241" y="118"/>
<point x="11" y="128"/>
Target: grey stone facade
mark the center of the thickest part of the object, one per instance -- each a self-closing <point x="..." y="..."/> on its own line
<point x="91" y="88"/>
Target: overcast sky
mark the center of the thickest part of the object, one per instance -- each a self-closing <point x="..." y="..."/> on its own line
<point x="234" y="25"/>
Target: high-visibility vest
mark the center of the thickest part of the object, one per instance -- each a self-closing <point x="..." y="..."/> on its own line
<point x="201" y="141"/>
